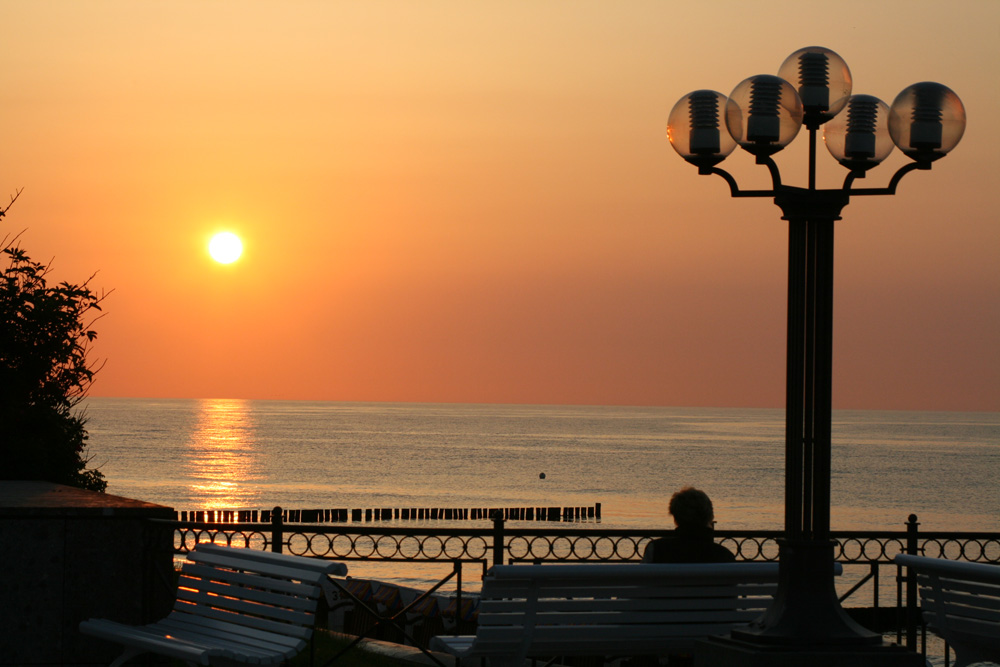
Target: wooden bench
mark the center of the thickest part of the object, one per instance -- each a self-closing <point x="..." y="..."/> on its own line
<point x="233" y="606"/>
<point x="961" y="604"/>
<point x="541" y="611"/>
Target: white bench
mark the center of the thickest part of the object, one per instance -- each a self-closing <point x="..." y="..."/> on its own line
<point x="961" y="604"/>
<point x="540" y="611"/>
<point x="233" y="605"/>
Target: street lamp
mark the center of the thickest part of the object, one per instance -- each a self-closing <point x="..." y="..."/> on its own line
<point x="762" y="115"/>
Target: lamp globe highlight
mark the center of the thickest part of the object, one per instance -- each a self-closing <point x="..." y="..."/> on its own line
<point x="926" y="121"/>
<point x="764" y="113"/>
<point x="695" y="130"/>
<point x="822" y="80"/>
<point x="858" y="137"/>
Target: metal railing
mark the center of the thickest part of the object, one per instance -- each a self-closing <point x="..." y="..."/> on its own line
<point x="866" y="552"/>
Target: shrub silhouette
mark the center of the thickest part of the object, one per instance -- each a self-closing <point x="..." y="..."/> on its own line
<point x="45" y="332"/>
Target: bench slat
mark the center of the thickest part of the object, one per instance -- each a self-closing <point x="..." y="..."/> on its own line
<point x="637" y="572"/>
<point x="148" y="639"/>
<point x="613" y="640"/>
<point x="251" y="647"/>
<point x="604" y="632"/>
<point x="240" y="606"/>
<point x="950" y="569"/>
<point x="962" y="605"/>
<point x="983" y="628"/>
<point x="622" y="619"/>
<point x="301" y="603"/>
<point x="318" y="565"/>
<point x="988" y="591"/>
<point x="235" y="562"/>
<point x="653" y="590"/>
<point x="298" y="588"/>
<point x="214" y="627"/>
<point x="188" y="586"/>
<point x="511" y="583"/>
<point x="679" y="604"/>
<point x="620" y="605"/>
<point x="258" y="623"/>
<point x="234" y="650"/>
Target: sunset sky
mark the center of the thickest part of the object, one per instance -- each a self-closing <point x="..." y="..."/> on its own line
<point x="477" y="202"/>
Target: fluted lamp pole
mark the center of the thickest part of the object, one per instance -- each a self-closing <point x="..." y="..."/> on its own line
<point x="762" y="115"/>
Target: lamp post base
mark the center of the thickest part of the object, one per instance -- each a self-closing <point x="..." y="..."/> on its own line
<point x="806" y="611"/>
<point x="729" y="652"/>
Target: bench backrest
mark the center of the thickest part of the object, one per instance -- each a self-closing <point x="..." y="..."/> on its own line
<point x="253" y="591"/>
<point x="623" y="609"/>
<point x="957" y="597"/>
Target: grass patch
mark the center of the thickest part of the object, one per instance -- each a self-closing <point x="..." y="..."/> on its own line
<point x="328" y="645"/>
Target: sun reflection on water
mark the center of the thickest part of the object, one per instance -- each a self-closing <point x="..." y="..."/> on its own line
<point x="223" y="459"/>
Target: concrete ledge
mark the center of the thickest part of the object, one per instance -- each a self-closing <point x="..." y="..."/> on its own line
<point x="70" y="555"/>
<point x="23" y="499"/>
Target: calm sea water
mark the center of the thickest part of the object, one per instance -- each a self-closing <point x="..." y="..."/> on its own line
<point x="237" y="454"/>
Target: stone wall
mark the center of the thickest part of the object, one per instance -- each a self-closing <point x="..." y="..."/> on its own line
<point x="68" y="555"/>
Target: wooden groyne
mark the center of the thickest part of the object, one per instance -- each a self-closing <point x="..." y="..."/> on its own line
<point x="394" y="514"/>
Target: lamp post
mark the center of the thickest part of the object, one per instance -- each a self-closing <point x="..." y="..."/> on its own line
<point x="762" y="115"/>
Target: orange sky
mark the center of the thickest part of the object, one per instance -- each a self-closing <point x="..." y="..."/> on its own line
<point x="477" y="202"/>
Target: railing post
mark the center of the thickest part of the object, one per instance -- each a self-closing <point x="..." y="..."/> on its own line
<point x="912" y="548"/>
<point x="458" y="598"/>
<point x="498" y="537"/>
<point x="277" y="530"/>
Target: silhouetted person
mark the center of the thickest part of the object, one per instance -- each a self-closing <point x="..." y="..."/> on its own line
<point x="692" y="541"/>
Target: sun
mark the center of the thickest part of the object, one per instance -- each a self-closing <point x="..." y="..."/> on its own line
<point x="225" y="247"/>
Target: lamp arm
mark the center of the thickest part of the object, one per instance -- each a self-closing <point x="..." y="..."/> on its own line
<point x="773" y="168"/>
<point x="893" y="184"/>
<point x="849" y="181"/>
<point x="734" y="188"/>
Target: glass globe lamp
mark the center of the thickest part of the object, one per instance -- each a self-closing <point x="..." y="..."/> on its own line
<point x="926" y="121"/>
<point x="822" y="80"/>
<point x="764" y="113"/>
<point x="858" y="137"/>
<point x="695" y="129"/>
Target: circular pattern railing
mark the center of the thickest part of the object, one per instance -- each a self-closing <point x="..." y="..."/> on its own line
<point x="186" y="539"/>
<point x="387" y="546"/>
<point x="977" y="550"/>
<point x="574" y="548"/>
<point x="535" y="545"/>
<point x="753" y="548"/>
<point x="868" y="549"/>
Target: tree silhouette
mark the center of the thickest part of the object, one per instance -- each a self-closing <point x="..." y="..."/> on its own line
<point x="45" y="332"/>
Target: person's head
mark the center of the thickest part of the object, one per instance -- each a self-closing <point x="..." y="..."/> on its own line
<point x="692" y="508"/>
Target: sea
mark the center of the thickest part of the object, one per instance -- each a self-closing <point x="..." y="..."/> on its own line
<point x="246" y="454"/>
